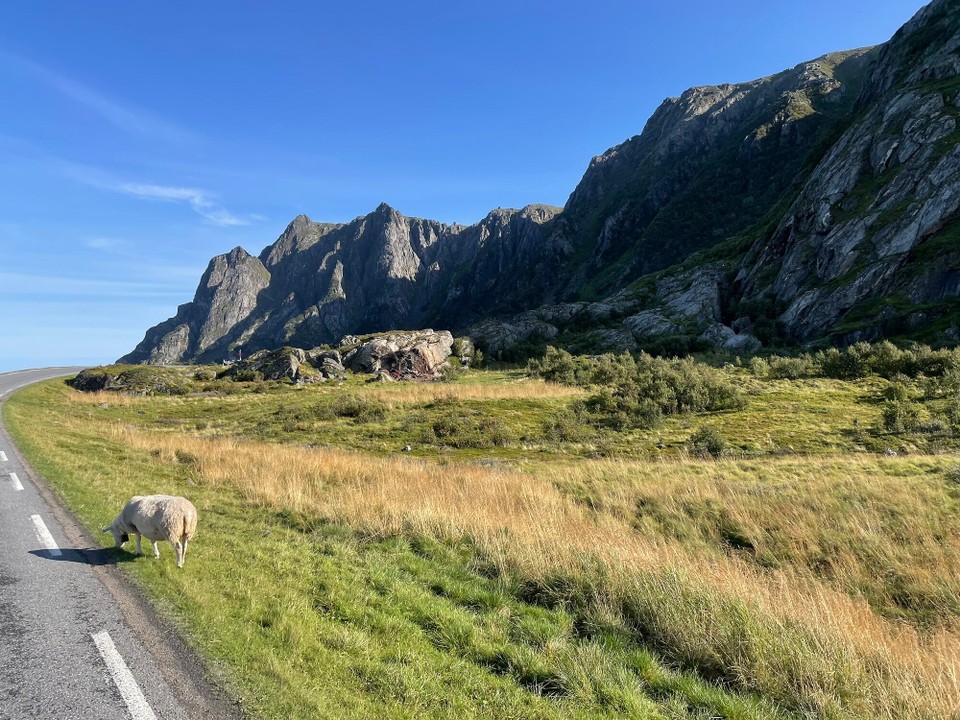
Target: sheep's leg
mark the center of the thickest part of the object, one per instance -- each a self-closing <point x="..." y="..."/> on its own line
<point x="139" y="549"/>
<point x="179" y="549"/>
<point x="156" y="549"/>
<point x="184" y="556"/>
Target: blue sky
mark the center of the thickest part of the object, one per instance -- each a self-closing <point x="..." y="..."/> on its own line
<point x="138" y="140"/>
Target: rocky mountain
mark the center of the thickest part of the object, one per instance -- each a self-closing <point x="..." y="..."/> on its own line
<point x="873" y="240"/>
<point x="818" y="203"/>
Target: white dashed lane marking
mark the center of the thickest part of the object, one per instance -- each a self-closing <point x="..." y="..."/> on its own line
<point x="44" y="536"/>
<point x="3" y="456"/>
<point x="15" y="481"/>
<point x="132" y="695"/>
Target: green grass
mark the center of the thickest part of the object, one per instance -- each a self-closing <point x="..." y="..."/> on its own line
<point x="306" y="612"/>
<point x="814" y="415"/>
<point x="308" y="618"/>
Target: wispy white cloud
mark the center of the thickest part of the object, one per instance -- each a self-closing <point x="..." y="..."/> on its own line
<point x="122" y="115"/>
<point x="200" y="200"/>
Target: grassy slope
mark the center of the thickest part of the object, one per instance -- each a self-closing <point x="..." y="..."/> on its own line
<point x="536" y="583"/>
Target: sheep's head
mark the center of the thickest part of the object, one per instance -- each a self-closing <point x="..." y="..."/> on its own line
<point x="118" y="537"/>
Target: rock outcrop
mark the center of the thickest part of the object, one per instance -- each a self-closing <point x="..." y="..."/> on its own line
<point x="229" y="291"/>
<point x="419" y="355"/>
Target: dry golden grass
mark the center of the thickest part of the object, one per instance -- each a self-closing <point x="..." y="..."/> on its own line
<point x="419" y="393"/>
<point x="782" y="632"/>
<point x="102" y="397"/>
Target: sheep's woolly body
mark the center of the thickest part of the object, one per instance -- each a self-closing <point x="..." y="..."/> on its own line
<point x="157" y="517"/>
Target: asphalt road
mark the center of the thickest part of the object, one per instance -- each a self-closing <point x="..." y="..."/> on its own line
<point x="77" y="642"/>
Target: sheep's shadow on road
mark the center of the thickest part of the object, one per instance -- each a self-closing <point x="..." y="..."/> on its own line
<point x="88" y="556"/>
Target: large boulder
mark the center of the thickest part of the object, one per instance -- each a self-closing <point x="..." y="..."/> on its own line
<point x="287" y="363"/>
<point x="417" y="355"/>
<point x="328" y="362"/>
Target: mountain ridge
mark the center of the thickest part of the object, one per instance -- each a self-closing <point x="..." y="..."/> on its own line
<point x="769" y="211"/>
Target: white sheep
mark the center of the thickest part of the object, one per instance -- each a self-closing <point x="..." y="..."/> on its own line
<point x="156" y="517"/>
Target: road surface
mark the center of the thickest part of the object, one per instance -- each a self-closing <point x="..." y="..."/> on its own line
<point x="77" y="642"/>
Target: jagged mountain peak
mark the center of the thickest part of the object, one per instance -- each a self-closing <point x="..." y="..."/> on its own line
<point x="807" y="193"/>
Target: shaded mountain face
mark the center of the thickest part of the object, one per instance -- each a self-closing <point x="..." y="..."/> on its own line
<point x="319" y="282"/>
<point x="827" y="194"/>
<point x="872" y="244"/>
<point x="708" y="165"/>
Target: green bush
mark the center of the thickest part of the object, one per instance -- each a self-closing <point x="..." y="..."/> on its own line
<point x="950" y="413"/>
<point x="900" y="417"/>
<point x="451" y="370"/>
<point x="759" y="367"/>
<point x="708" y="440"/>
<point x="556" y="365"/>
<point x="248" y="375"/>
<point x="360" y="408"/>
<point x="564" y="429"/>
<point x="862" y="359"/>
<point x="897" y="392"/>
<point x="791" y="368"/>
<point x="466" y="428"/>
<point x="205" y="374"/>
<point x="638" y="392"/>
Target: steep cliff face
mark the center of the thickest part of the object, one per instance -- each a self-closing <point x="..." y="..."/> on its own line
<point x="874" y="236"/>
<point x="707" y="165"/>
<point x="319" y="282"/>
<point x="826" y="195"/>
<point x="229" y="291"/>
<point x="867" y="245"/>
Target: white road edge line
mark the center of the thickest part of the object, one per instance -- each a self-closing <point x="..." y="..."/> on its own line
<point x="3" y="456"/>
<point x="133" y="697"/>
<point x="17" y="485"/>
<point x="44" y="536"/>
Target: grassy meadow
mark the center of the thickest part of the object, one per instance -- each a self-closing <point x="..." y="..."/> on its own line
<point x="538" y="552"/>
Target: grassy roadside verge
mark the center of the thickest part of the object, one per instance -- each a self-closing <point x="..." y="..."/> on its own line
<point x="334" y="584"/>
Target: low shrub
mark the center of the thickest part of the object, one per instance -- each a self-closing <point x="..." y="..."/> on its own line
<point x="248" y="375"/>
<point x="564" y="429"/>
<point x="759" y="367"/>
<point x="359" y="408"/>
<point x="466" y="428"/>
<point x="899" y="417"/>
<point x="205" y="374"/>
<point x="862" y="359"/>
<point x="897" y="392"/>
<point x="708" y="441"/>
<point x="638" y="392"/>
<point x="791" y="368"/>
